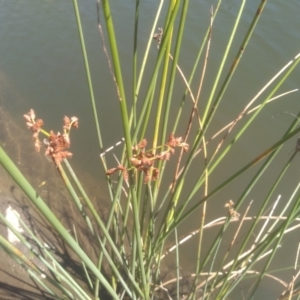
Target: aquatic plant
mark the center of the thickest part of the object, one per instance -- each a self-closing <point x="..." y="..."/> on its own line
<point x="147" y="204"/>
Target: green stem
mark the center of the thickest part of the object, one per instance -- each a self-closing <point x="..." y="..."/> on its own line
<point x="88" y="74"/>
<point x="52" y="219"/>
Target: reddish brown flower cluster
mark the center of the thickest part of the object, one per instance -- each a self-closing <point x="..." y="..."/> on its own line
<point x="118" y="168"/>
<point x="35" y="127"/>
<point x="177" y="142"/>
<point x="232" y="212"/>
<point x="158" y="36"/>
<point x="144" y="161"/>
<point x="56" y="143"/>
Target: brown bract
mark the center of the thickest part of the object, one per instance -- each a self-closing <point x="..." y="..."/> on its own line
<point x="119" y="168"/>
<point x="35" y="127"/>
<point x="69" y="123"/>
<point x="143" y="160"/>
<point x="232" y="212"/>
<point x="158" y="36"/>
<point x="177" y="142"/>
<point x="56" y="144"/>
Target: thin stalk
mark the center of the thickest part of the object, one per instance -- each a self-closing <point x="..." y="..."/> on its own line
<point x="156" y="68"/>
<point x="150" y="230"/>
<point x="222" y="64"/>
<point x="56" y="270"/>
<point x="177" y="263"/>
<point x="256" y="177"/>
<point x="233" y="66"/>
<point x="77" y="201"/>
<point x="164" y="77"/>
<point x="90" y="205"/>
<point x="52" y="219"/>
<point x="88" y="74"/>
<point x="255" y="254"/>
<point x="134" y="66"/>
<point x="148" y="111"/>
<point x="119" y="276"/>
<point x="244" y="113"/>
<point x="40" y="282"/>
<point x="180" y="217"/>
<point x="202" y="221"/>
<point x="118" y="74"/>
<point x="162" y="93"/>
<point x="144" y="213"/>
<point x="277" y="235"/>
<point x="104" y="230"/>
<point x="146" y="54"/>
<point x="170" y="89"/>
<point x="195" y="68"/>
<point x="75" y="197"/>
<point x="284" y="227"/>
<point x="137" y="236"/>
<point x="223" y="88"/>
<point x="178" y="44"/>
<point x="290" y="67"/>
<point x="214" y="252"/>
<point x="133" y="258"/>
<point x="90" y="283"/>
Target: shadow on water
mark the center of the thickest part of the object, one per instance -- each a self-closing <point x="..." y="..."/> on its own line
<point x="43" y="176"/>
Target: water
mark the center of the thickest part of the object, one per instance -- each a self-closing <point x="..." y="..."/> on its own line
<point x="40" y="58"/>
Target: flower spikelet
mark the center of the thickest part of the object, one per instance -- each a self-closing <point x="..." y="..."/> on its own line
<point x="35" y="127"/>
<point x="144" y="161"/>
<point x="56" y="144"/>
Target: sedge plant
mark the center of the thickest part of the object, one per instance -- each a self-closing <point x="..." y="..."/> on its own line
<point x="148" y="205"/>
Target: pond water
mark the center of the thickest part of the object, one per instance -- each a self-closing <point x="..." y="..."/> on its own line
<point x="41" y="61"/>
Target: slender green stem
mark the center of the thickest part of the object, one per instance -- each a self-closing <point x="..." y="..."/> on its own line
<point x="234" y="65"/>
<point x="103" y="228"/>
<point x="161" y="52"/>
<point x="163" y="81"/>
<point x="52" y="219"/>
<point x="75" y="196"/>
<point x="134" y="67"/>
<point x="170" y="90"/>
<point x="87" y="69"/>
<point x="180" y="216"/>
<point x="118" y="74"/>
<point x="290" y="67"/>
<point x="222" y="64"/>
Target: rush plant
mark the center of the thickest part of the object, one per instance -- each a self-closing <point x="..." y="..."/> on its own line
<point x="154" y="187"/>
